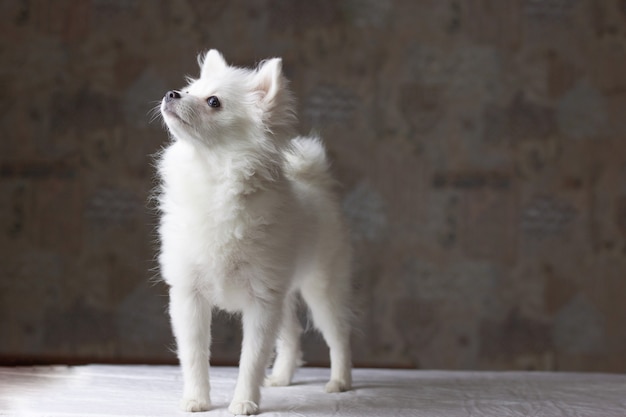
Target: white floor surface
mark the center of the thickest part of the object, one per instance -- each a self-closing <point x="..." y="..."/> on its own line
<point x="102" y="390"/>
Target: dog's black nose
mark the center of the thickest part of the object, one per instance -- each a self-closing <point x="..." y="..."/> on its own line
<point x="171" y="95"/>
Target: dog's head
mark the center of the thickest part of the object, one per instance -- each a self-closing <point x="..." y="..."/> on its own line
<point x="230" y="104"/>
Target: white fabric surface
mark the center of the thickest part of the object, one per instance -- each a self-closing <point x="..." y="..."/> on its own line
<point x="99" y="390"/>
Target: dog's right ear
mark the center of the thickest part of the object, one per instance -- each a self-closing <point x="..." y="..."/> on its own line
<point x="211" y="62"/>
<point x="268" y="80"/>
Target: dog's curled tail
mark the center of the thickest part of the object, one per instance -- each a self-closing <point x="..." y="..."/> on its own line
<point x="305" y="160"/>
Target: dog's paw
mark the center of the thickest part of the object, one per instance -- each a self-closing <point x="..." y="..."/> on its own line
<point x="243" y="408"/>
<point x="276" y="381"/>
<point x="335" y="385"/>
<point x="194" y="404"/>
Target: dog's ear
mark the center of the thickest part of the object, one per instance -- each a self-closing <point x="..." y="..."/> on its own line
<point x="268" y="79"/>
<point x="211" y="62"/>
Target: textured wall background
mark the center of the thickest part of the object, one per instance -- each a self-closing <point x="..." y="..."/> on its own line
<point x="481" y="145"/>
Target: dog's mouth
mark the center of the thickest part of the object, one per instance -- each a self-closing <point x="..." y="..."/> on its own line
<point x="174" y="115"/>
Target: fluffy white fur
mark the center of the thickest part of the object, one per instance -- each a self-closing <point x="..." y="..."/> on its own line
<point x="249" y="221"/>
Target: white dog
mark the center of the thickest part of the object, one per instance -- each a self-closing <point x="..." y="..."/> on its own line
<point x="249" y="221"/>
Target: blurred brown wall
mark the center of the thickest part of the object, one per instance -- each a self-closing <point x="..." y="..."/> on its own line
<point x="481" y="145"/>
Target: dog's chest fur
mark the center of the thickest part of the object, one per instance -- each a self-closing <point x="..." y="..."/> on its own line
<point x="221" y="217"/>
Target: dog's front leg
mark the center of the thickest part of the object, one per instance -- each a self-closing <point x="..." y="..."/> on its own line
<point x="260" y="324"/>
<point x="191" y="322"/>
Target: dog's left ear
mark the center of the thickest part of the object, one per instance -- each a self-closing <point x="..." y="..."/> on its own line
<point x="268" y="80"/>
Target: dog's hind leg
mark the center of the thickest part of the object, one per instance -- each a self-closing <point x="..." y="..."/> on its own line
<point x="331" y="315"/>
<point x="288" y="353"/>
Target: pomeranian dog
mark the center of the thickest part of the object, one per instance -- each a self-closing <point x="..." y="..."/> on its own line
<point x="249" y="224"/>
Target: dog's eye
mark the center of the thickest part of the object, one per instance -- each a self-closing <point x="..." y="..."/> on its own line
<point x="213" y="101"/>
